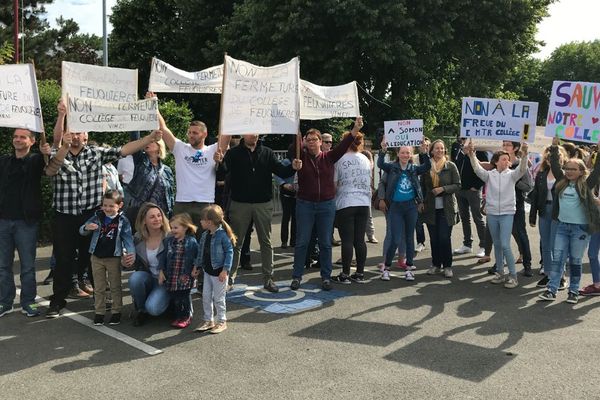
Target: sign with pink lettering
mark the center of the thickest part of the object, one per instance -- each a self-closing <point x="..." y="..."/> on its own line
<point x="574" y="111"/>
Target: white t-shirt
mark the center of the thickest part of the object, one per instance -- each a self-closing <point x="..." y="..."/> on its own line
<point x="195" y="172"/>
<point x="353" y="178"/>
<point x="152" y="261"/>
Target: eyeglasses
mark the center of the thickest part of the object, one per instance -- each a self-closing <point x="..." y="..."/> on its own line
<point x="312" y="139"/>
<point x="327" y="141"/>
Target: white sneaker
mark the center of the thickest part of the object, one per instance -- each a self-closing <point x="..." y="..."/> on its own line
<point x="463" y="250"/>
<point x="381" y="267"/>
<point x="409" y="276"/>
<point x="433" y="270"/>
<point x="420" y="247"/>
<point x="385" y="275"/>
<point x="498" y="279"/>
<point x="511" y="283"/>
<point x="448" y="272"/>
<point x="480" y="253"/>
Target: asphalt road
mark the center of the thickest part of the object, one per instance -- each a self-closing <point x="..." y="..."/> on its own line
<point x="432" y="338"/>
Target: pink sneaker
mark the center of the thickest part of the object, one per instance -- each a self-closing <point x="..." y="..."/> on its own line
<point x="175" y="323"/>
<point x="184" y="323"/>
<point x="402" y="264"/>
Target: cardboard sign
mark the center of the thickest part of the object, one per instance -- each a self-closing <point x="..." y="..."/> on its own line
<point x="168" y="79"/>
<point x="321" y="102"/>
<point x="408" y="132"/>
<point x="19" y="99"/>
<point x="537" y="146"/>
<point x="100" y="83"/>
<point x="260" y="100"/>
<point x="85" y="115"/>
<point x="497" y="119"/>
<point x="574" y="111"/>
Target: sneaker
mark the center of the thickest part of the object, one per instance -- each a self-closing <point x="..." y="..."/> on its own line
<point x="98" y="319"/>
<point x="175" y="323"/>
<point x="183" y="323"/>
<point x="542" y="283"/>
<point x="491" y="270"/>
<point x="342" y="279"/>
<point x="511" y="283"/>
<point x="563" y="284"/>
<point x="5" y="310"/>
<point x="373" y="240"/>
<point x="139" y="318"/>
<point x="271" y="286"/>
<point x="295" y="285"/>
<point x="409" y="276"/>
<point x="463" y="250"/>
<point x="326" y="285"/>
<point x="53" y="312"/>
<point x="590" y="290"/>
<point x="206" y="326"/>
<point x="358" y="278"/>
<point x="448" y="273"/>
<point x="527" y="272"/>
<point x="498" y="279"/>
<point x="547" y="296"/>
<point x="385" y="275"/>
<point x="420" y="247"/>
<point x="30" y="310"/>
<point x="381" y="267"/>
<point x="86" y="287"/>
<point x="433" y="270"/>
<point x="115" y="319"/>
<point x="480" y="253"/>
<point x="48" y="280"/>
<point x="219" y="327"/>
<point x="573" y="298"/>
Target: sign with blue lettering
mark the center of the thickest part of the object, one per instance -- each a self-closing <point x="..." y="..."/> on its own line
<point x="497" y="119"/>
<point x="286" y="301"/>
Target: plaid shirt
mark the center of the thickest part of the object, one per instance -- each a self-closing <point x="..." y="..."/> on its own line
<point x="176" y="278"/>
<point x="78" y="184"/>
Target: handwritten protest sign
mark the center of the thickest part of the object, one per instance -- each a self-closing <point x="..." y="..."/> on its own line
<point x="408" y="132"/>
<point x="537" y="146"/>
<point x="101" y="83"/>
<point x="260" y="99"/>
<point x="84" y="115"/>
<point x="498" y="119"/>
<point x="166" y="78"/>
<point x="19" y="99"/>
<point x="321" y="102"/>
<point x="574" y="111"/>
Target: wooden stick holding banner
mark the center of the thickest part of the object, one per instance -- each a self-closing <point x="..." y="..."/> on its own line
<point x="222" y="143"/>
<point x="299" y="134"/>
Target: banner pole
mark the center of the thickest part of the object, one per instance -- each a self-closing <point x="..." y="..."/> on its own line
<point x="299" y="134"/>
<point x="220" y="139"/>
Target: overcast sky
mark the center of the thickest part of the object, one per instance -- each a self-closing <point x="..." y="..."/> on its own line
<point x="569" y="20"/>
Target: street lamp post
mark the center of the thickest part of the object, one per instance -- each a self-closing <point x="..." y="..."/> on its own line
<point x="104" y="33"/>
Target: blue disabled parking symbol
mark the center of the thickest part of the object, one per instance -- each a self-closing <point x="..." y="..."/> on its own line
<point x="286" y="301"/>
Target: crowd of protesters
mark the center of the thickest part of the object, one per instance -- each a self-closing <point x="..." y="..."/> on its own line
<point x="185" y="230"/>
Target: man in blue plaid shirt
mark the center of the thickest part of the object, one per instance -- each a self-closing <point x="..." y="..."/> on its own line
<point x="77" y="195"/>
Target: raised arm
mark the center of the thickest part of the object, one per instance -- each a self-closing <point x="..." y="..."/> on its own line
<point x="523" y="163"/>
<point x="139" y="144"/>
<point x="57" y="161"/>
<point x="479" y="171"/>
<point x="168" y="136"/>
<point x="59" y="127"/>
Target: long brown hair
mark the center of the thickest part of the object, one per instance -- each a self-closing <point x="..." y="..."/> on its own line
<point x="580" y="184"/>
<point x="215" y="214"/>
<point x="140" y="221"/>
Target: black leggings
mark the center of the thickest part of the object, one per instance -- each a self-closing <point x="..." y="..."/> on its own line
<point x="352" y="225"/>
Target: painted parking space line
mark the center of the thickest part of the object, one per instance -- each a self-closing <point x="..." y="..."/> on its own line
<point x="152" y="351"/>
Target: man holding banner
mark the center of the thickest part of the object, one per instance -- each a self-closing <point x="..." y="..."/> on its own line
<point x="20" y="212"/>
<point x="77" y="195"/>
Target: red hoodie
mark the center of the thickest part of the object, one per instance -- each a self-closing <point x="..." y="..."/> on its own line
<point x="315" y="179"/>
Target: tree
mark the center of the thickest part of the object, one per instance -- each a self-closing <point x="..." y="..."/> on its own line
<point x="6" y="53"/>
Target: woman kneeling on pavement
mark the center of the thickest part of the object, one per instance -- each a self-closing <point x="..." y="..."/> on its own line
<point x="149" y="298"/>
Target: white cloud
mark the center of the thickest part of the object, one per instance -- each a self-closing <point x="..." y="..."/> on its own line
<point x="87" y="13"/>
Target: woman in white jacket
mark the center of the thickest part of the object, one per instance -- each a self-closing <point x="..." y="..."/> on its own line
<point x="501" y="207"/>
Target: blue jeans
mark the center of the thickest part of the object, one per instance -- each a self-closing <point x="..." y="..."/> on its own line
<point x="500" y="227"/>
<point x="593" y="254"/>
<point x="16" y="233"/>
<point x="322" y="215"/>
<point x="148" y="295"/>
<point x="547" y="229"/>
<point x="402" y="219"/>
<point x="571" y="240"/>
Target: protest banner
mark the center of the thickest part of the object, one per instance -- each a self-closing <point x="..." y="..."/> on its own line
<point x="574" y="111"/>
<point x="538" y="145"/>
<point x="100" y="83"/>
<point x="498" y="119"/>
<point x="321" y="102"/>
<point x="19" y="99"/>
<point x="85" y="115"/>
<point x="260" y="100"/>
<point x="408" y="132"/>
<point x="168" y="79"/>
